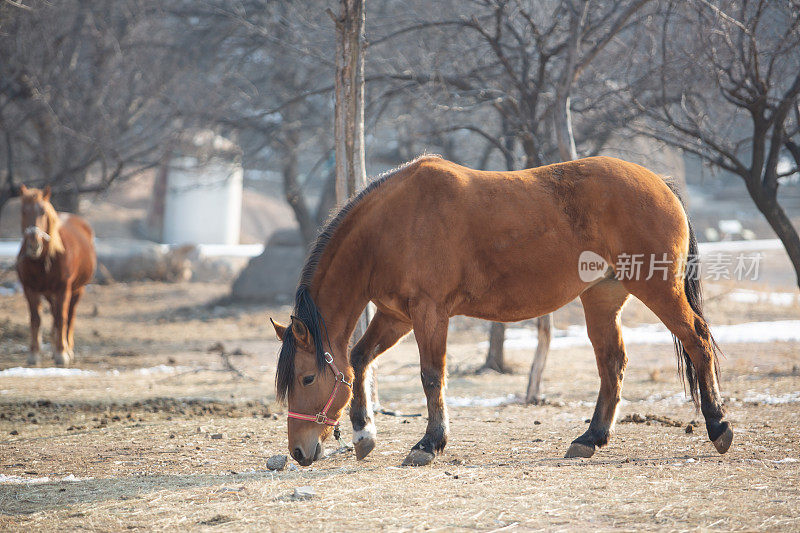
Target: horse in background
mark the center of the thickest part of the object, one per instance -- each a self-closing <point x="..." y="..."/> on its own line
<point x="56" y="260"/>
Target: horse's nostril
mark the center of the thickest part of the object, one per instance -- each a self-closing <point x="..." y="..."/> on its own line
<point x="298" y="455"/>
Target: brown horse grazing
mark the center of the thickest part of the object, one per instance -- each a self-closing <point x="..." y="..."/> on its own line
<point x="434" y="239"/>
<point x="56" y="260"/>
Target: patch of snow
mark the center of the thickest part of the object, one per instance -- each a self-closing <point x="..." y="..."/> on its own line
<point x="160" y="369"/>
<point x="24" y="372"/>
<point x="739" y="246"/>
<point x="786" y="460"/>
<point x="21" y="371"/>
<point x="8" y="480"/>
<point x="782" y="299"/>
<point x="466" y="401"/>
<point x="8" y="291"/>
<point x="10" y="248"/>
<point x="676" y="398"/>
<point x="749" y="332"/>
<point x="12" y="480"/>
<point x="768" y="399"/>
<point x="230" y="250"/>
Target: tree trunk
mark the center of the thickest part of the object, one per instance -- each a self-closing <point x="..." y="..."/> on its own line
<point x="294" y="195"/>
<point x="327" y="202"/>
<point x="351" y="174"/>
<point x="534" y="391"/>
<point x="495" y="358"/>
<point x="349" y="105"/>
<point x="768" y="204"/>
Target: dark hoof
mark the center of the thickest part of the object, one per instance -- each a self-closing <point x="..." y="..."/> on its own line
<point x="418" y="458"/>
<point x="576" y="449"/>
<point x="363" y="447"/>
<point x="723" y="442"/>
<point x="33" y="359"/>
<point x="61" y="359"/>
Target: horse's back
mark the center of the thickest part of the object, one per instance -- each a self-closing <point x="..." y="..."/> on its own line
<point x="477" y="236"/>
<point x="600" y="203"/>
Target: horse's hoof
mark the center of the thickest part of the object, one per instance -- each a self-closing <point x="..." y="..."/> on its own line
<point x="363" y="447"/>
<point x="418" y="458"/>
<point x="576" y="449"/>
<point x="33" y="359"/>
<point x="724" y="441"/>
<point x="61" y="359"/>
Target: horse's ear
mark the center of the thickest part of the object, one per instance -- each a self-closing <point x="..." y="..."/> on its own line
<point x="301" y="334"/>
<point x="46" y="193"/>
<point x="280" y="331"/>
<point x="23" y="190"/>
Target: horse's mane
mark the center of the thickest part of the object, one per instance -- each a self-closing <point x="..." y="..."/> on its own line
<point x="304" y="307"/>
<point x="55" y="245"/>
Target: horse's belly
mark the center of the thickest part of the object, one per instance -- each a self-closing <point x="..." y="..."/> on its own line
<point x="512" y="304"/>
<point x="521" y="289"/>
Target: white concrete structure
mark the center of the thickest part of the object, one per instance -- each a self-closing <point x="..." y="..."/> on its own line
<point x="203" y="202"/>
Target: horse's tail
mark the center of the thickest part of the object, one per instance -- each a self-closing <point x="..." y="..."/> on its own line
<point x="694" y="295"/>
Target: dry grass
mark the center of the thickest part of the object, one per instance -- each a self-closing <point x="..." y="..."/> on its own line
<point x="159" y="469"/>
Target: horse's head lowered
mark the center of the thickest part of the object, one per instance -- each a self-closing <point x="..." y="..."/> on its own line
<point x="39" y="223"/>
<point x="316" y="390"/>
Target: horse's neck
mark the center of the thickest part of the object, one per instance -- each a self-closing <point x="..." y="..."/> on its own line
<point x="340" y="294"/>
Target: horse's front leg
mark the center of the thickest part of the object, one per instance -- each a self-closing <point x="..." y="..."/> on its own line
<point x="60" y="308"/>
<point x="430" y="329"/>
<point x="34" y="304"/>
<point x="382" y="333"/>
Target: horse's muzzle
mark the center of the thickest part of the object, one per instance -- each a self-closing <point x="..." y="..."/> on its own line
<point x="34" y="250"/>
<point x="304" y="460"/>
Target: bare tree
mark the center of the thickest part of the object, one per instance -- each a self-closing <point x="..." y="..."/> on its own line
<point x="724" y="85"/>
<point x="82" y="88"/>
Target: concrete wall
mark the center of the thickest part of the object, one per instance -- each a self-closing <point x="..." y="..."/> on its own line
<point x="203" y="203"/>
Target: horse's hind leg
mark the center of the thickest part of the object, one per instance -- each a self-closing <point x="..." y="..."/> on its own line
<point x="34" y="304"/>
<point x="430" y="329"/>
<point x="382" y="333"/>
<point x="602" y="305"/>
<point x="690" y="328"/>
<point x="73" y="303"/>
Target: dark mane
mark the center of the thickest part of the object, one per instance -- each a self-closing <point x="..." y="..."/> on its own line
<point x="304" y="307"/>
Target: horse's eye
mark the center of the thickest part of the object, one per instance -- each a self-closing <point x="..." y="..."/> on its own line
<point x="308" y="380"/>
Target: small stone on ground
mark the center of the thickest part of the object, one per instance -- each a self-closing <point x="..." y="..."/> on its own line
<point x="277" y="462"/>
<point x="303" y="493"/>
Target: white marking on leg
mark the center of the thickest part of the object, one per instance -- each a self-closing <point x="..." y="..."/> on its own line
<point x="368" y="393"/>
<point x="369" y="431"/>
<point x="613" y="419"/>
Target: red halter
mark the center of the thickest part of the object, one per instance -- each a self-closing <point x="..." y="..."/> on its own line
<point x="322" y="416"/>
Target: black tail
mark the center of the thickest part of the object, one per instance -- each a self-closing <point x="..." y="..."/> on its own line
<point x="694" y="294"/>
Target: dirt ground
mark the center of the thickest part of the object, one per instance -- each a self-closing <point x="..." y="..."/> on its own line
<point x="157" y="434"/>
